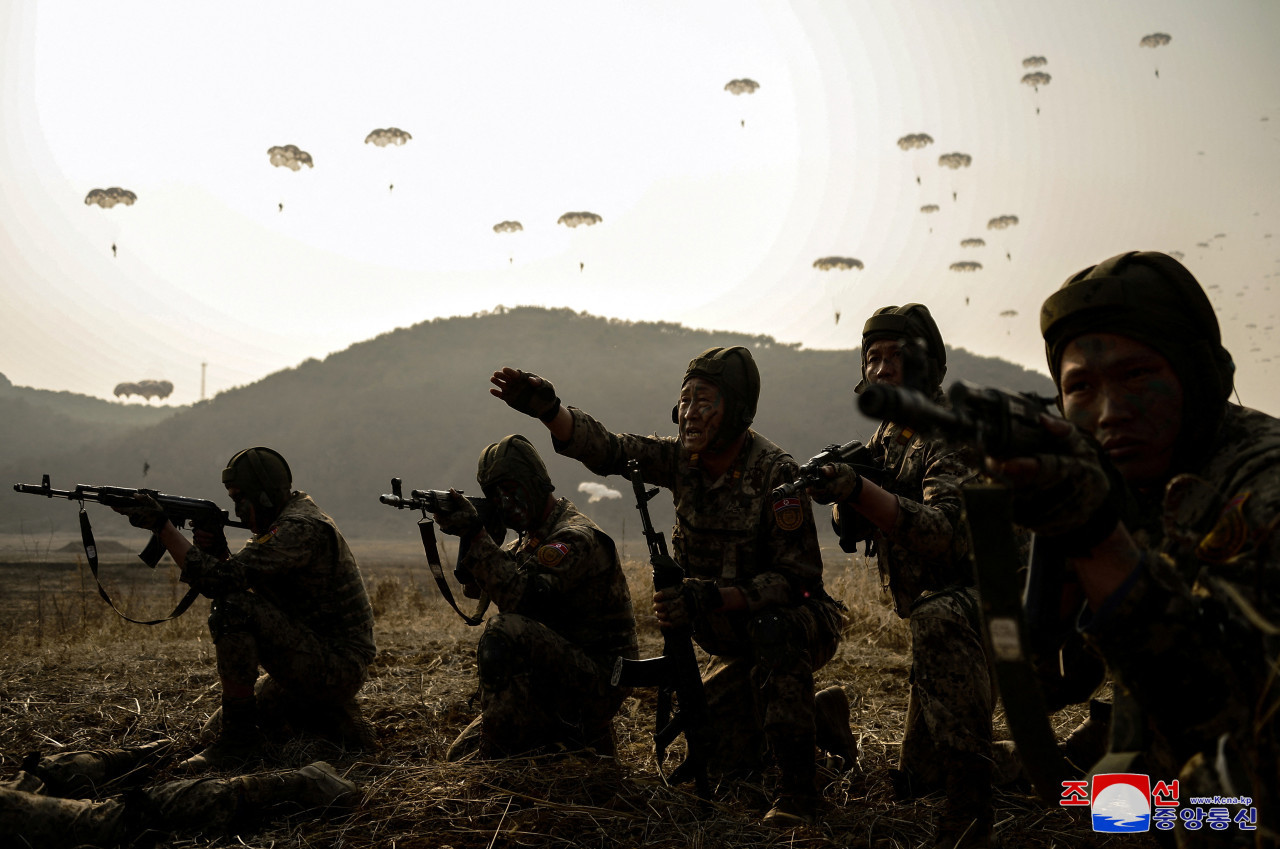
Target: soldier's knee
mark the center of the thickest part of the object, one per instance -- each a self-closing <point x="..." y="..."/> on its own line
<point x="496" y="658"/>
<point x="775" y="646"/>
<point x="229" y="615"/>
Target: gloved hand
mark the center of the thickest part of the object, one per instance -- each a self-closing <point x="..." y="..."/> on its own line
<point x="1068" y="492"/>
<point x="840" y="482"/>
<point x="145" y="513"/>
<point x="211" y="541"/>
<point x="676" y="607"/>
<point x="527" y="393"/>
<point x="459" y="518"/>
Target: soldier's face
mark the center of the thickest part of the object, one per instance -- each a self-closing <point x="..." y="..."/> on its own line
<point x="1127" y="395"/>
<point x="884" y="362"/>
<point x="700" y="414"/>
<point x="517" y="512"/>
<point x="244" y="509"/>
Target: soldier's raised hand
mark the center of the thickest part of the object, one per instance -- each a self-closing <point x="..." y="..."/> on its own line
<point x="526" y="392"/>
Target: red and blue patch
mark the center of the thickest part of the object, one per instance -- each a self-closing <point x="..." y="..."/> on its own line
<point x="788" y="513"/>
<point x="552" y="553"/>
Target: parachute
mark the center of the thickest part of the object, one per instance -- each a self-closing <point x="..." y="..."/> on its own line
<point x="1155" y="39"/>
<point x="289" y="156"/>
<point x="577" y="219"/>
<point x="1202" y="244"/>
<point x="145" y="388"/>
<point x="1035" y="79"/>
<point x="508" y="227"/>
<point x="844" y="263"/>
<point x="1008" y="313"/>
<point x="1034" y="62"/>
<point x="929" y="208"/>
<point x="1177" y="254"/>
<point x="382" y="138"/>
<point x="966" y="266"/>
<point x="955" y="160"/>
<point x="107" y="198"/>
<point x="973" y="243"/>
<point x="914" y="141"/>
<point x="742" y="86"/>
<point x="1002" y="222"/>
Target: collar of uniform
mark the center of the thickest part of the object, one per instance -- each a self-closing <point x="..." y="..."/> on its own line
<point x="731" y="475"/>
<point x="533" y="538"/>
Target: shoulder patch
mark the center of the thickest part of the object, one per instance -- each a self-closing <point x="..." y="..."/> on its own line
<point x="261" y="538"/>
<point x="905" y="436"/>
<point x="1229" y="536"/>
<point x="552" y="553"/>
<point x="788" y="513"/>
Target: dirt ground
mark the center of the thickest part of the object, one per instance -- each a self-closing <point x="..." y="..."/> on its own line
<point x="74" y="676"/>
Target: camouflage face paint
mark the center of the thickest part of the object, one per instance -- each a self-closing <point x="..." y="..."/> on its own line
<point x="700" y="414"/>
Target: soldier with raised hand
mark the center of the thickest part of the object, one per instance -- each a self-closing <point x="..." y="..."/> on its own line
<point x="1183" y="595"/>
<point x="754" y="594"/>
<point x="913" y="521"/>
<point x="565" y="614"/>
<point x="292" y="603"/>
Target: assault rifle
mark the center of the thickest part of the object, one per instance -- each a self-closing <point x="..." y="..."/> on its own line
<point x="1022" y="623"/>
<point x="435" y="501"/>
<point x="202" y="514"/>
<point x="852" y="528"/>
<point x="676" y="673"/>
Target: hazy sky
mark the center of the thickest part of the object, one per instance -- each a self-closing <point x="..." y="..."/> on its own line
<point x="714" y="206"/>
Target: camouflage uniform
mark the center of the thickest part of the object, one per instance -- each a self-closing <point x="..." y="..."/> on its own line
<point x="1191" y="636"/>
<point x="924" y="566"/>
<point x="30" y="815"/>
<point x="759" y="684"/>
<point x="292" y="602"/>
<point x="545" y="661"/>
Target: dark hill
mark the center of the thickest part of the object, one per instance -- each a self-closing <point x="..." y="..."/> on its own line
<point x="414" y="403"/>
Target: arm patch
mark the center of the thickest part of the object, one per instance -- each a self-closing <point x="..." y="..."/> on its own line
<point x="788" y="513"/>
<point x="552" y="553"/>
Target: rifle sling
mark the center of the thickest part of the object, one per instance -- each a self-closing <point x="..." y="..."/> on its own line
<point x="427" y="530"/>
<point x="91" y="554"/>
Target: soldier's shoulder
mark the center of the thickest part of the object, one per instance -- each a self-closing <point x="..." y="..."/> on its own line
<point x="1246" y="451"/>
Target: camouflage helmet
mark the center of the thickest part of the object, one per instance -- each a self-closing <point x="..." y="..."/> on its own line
<point x="261" y="475"/>
<point x="515" y="459"/>
<point x="733" y="370"/>
<point x="1151" y="298"/>
<point x="909" y="321"/>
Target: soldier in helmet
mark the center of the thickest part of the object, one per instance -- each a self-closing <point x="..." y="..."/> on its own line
<point x="292" y="603"/>
<point x="912" y="521"/>
<point x="565" y="613"/>
<point x="755" y="595"/>
<point x="1183" y="587"/>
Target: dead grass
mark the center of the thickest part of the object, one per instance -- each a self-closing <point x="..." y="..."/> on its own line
<point x="72" y="676"/>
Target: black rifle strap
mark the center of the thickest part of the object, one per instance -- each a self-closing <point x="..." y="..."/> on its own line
<point x="91" y="554"/>
<point x="427" y="529"/>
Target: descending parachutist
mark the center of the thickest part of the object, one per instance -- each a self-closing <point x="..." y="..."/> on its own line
<point x="581" y="265"/>
<point x="113" y="248"/>
<point x="281" y="205"/>
<point x="1008" y="256"/>
<point x="918" y="183"/>
<point x="391" y="187"/>
<point x="966" y="300"/>
<point x="953" y="196"/>
<point x="742" y="123"/>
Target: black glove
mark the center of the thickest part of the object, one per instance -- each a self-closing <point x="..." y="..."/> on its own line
<point x="459" y="517"/>
<point x="145" y="513"/>
<point x="536" y="397"/>
<point x="843" y="483"/>
<point x="685" y="604"/>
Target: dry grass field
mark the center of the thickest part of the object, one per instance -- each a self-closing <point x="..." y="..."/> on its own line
<point x="73" y="676"/>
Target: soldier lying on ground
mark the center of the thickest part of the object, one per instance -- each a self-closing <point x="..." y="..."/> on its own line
<point x="755" y="594"/>
<point x="565" y="614"/>
<point x="47" y="804"/>
<point x="291" y="602"/>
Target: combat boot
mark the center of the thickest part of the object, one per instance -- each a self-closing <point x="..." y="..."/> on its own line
<point x="315" y="787"/>
<point x="834" y="736"/>
<point x="967" y="818"/>
<point x="83" y="774"/>
<point x="798" y="800"/>
<point x="353" y="728"/>
<point x="30" y="819"/>
<point x="239" y="740"/>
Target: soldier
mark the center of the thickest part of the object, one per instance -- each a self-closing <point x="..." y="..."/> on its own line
<point x="292" y="602"/>
<point x="565" y="613"/>
<point x="48" y="803"/>
<point x="1182" y="598"/>
<point x="913" y="522"/>
<point x="754" y="593"/>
